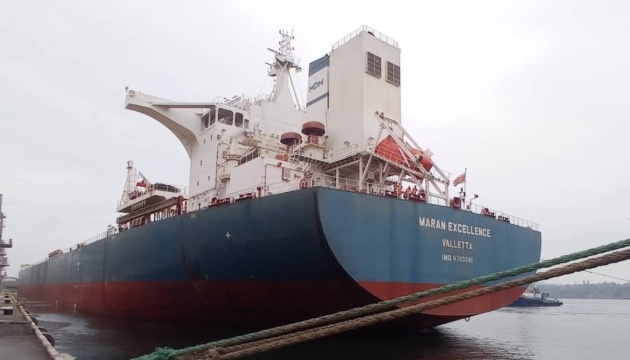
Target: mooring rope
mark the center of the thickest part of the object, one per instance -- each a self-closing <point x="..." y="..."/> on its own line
<point x="312" y="334"/>
<point x="170" y="354"/>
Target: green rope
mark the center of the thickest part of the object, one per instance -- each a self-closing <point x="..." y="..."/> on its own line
<point x="171" y="354"/>
<point x="256" y="347"/>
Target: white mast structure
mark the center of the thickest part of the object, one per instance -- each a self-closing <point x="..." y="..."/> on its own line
<point x="280" y="69"/>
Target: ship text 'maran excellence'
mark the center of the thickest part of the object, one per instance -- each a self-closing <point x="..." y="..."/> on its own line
<point x="454" y="227"/>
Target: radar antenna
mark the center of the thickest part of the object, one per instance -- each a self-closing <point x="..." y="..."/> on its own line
<point x="284" y="61"/>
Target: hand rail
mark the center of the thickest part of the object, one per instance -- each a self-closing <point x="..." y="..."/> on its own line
<point x="369" y="30"/>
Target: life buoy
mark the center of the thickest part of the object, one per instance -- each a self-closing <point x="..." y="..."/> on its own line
<point x="303" y="183"/>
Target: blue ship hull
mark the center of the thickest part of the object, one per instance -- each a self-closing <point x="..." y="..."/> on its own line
<point x="283" y="258"/>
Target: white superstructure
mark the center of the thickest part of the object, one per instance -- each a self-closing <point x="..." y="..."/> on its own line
<point x="349" y="135"/>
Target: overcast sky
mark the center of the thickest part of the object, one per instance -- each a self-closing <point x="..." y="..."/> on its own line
<point x="531" y="96"/>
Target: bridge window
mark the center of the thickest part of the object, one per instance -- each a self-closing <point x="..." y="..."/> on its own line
<point x="373" y="66"/>
<point x="208" y="118"/>
<point x="238" y="120"/>
<point x="213" y="115"/>
<point x="393" y="74"/>
<point x="225" y="116"/>
<point x="205" y="120"/>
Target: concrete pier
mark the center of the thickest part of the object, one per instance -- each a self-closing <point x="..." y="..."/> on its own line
<point x="19" y="336"/>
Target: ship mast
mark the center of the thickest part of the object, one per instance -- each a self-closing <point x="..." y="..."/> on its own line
<point x="130" y="184"/>
<point x="284" y="92"/>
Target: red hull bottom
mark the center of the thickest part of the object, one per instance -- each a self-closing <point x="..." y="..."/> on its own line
<point x="246" y="304"/>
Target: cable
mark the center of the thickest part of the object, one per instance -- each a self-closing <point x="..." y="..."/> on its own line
<point x="612" y="277"/>
<point x="600" y="274"/>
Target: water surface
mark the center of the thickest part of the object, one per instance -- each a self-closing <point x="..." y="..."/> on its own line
<point x="580" y="329"/>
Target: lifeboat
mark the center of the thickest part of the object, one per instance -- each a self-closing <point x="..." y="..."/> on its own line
<point x="389" y="149"/>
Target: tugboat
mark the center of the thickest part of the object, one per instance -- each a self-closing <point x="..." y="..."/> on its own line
<point x="532" y="297"/>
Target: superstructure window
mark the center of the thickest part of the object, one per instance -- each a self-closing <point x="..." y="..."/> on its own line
<point x="205" y="120"/>
<point x="208" y="118"/>
<point x="373" y="66"/>
<point x="246" y="124"/>
<point x="225" y="116"/>
<point x="238" y="120"/>
<point x="213" y="115"/>
<point x="393" y="74"/>
<point x="249" y="156"/>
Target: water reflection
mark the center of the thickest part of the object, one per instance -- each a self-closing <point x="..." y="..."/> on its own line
<point x="580" y="329"/>
<point x="99" y="338"/>
<point x="440" y="344"/>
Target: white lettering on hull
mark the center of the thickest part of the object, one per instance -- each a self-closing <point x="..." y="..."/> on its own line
<point x="453" y="227"/>
<point x="458" y="246"/>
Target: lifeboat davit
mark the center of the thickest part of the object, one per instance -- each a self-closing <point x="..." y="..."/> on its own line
<point x="290" y="138"/>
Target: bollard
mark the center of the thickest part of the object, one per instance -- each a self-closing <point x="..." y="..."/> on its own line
<point x="7" y="310"/>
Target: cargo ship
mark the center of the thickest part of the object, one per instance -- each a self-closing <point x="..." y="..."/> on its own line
<point x="292" y="210"/>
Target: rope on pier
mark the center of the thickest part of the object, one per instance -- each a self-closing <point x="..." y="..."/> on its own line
<point x="272" y="338"/>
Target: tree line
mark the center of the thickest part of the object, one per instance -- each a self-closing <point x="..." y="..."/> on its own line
<point x="587" y="290"/>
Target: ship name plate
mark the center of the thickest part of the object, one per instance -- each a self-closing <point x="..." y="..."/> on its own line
<point x="453" y="227"/>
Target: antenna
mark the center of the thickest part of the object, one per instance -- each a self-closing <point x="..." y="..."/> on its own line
<point x="284" y="61"/>
<point x="284" y="55"/>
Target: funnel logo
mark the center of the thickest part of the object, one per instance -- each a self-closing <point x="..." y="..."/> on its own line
<point x="316" y="85"/>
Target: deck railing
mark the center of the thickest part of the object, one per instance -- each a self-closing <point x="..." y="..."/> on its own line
<point x="484" y="210"/>
<point x="380" y="190"/>
<point x="94" y="238"/>
<point x="370" y="31"/>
